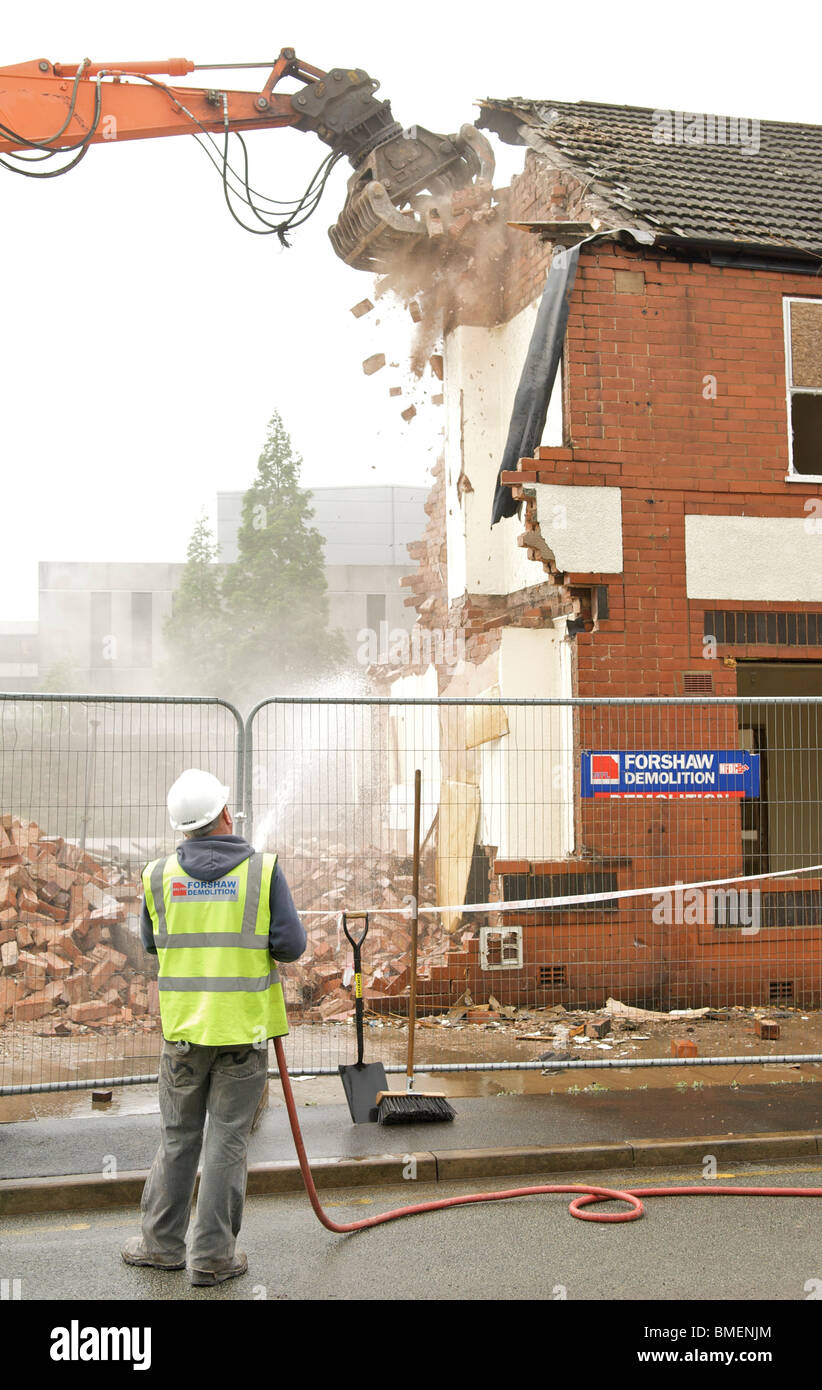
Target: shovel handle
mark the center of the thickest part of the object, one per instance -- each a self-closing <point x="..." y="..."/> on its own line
<point x="352" y="917"/>
<point x="356" y="943"/>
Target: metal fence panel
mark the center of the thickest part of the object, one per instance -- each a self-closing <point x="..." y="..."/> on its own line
<point x="550" y="883"/>
<point x="511" y="816"/>
<point x="83" y="784"/>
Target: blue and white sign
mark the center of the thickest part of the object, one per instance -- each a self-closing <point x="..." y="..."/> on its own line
<point x="198" y="890"/>
<point x="671" y="772"/>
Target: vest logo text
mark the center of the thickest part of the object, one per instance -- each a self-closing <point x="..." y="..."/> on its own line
<point x="225" y="890"/>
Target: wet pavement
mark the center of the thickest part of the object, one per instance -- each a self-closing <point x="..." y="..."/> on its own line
<point x="581" y="1113"/>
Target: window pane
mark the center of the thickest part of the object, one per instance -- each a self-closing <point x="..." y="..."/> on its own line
<point x="806" y="423"/>
<point x="806" y="346"/>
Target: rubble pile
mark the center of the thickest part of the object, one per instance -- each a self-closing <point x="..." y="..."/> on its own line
<point x="70" y="951"/>
<point x="71" y="958"/>
<point x="319" y="986"/>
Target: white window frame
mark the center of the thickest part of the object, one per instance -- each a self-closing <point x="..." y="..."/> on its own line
<point x="792" y="476"/>
<point x="486" y="933"/>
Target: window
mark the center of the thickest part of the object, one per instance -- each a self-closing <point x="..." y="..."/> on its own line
<point x="501" y="948"/>
<point x="141" y="606"/>
<point x="102" y="644"/>
<point x="374" y="611"/>
<point x="803" y="352"/>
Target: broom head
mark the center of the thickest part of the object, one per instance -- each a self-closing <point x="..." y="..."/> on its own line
<point x="413" y="1107"/>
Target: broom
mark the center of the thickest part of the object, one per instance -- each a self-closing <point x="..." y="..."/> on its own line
<point x="412" y="1107"/>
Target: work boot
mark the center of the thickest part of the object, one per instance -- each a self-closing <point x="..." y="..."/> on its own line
<point x="134" y="1252"/>
<point x="221" y="1270"/>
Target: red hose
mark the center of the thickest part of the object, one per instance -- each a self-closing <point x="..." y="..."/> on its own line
<point x="586" y="1195"/>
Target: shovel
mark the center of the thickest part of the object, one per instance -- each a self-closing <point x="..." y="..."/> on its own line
<point x="360" y="1081"/>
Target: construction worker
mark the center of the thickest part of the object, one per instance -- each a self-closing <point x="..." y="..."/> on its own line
<point x="219" y="916"/>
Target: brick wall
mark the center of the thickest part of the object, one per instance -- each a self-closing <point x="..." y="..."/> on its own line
<point x="676" y="395"/>
<point x="674" y="379"/>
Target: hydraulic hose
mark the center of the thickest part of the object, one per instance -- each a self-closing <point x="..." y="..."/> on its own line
<point x="586" y="1195"/>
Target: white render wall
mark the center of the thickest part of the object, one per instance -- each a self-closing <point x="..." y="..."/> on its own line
<point x="582" y="526"/>
<point x="527" y="776"/>
<point x="754" y="558"/>
<point x="482" y="372"/>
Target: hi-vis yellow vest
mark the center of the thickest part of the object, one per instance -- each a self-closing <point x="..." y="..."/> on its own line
<point x="218" y="982"/>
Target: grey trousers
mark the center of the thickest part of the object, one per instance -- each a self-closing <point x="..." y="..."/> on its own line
<point x="225" y="1084"/>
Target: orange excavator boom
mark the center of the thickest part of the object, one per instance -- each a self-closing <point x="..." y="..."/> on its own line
<point x="51" y="108"/>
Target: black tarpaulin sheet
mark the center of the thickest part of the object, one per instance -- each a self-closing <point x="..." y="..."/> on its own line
<point x="538" y="376"/>
<point x="540" y="370"/>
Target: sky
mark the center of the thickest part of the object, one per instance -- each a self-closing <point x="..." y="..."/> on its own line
<point x="147" y="338"/>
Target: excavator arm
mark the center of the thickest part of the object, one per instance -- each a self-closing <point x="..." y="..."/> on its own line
<point x="401" y="176"/>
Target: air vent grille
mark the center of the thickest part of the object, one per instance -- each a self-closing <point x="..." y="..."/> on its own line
<point x="781" y="991"/>
<point x="697" y="683"/>
<point x="552" y="977"/>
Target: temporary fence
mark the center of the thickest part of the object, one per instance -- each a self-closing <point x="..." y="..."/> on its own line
<point x="641" y="854"/>
<point x="83" y="785"/>
<point x="664" y="854"/>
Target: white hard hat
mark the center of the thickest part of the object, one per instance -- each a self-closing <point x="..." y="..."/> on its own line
<point x="195" y="799"/>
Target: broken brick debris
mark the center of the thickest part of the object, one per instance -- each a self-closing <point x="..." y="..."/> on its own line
<point x="70" y="951"/>
<point x="374" y="363"/>
<point x="319" y="986"/>
<point x="364" y="307"/>
<point x="598" y="1027"/>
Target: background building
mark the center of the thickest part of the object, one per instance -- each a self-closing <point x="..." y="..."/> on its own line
<point x="100" y="625"/>
<point x="18" y="655"/>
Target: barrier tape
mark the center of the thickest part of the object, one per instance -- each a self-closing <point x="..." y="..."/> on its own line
<point x="572" y="899"/>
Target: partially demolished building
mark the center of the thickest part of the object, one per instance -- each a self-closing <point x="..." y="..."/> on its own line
<point x="629" y="510"/>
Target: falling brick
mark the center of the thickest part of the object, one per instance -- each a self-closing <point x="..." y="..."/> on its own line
<point x="395" y="390"/>
<point x="415" y="311"/>
<point x="374" y="363"/>
<point x="364" y="307"/>
<point x="409" y="413"/>
<point x="435" y="363"/>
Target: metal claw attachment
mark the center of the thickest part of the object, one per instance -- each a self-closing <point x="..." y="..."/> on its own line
<point x="387" y="215"/>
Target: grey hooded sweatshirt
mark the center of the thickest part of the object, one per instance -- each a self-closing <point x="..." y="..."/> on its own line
<point x="216" y="855"/>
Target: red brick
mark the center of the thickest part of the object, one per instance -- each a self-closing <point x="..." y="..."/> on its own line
<point x="76" y="988"/>
<point x="65" y="945"/>
<point x="95" y="1011"/>
<point x="37" y="1005"/>
<point x="33" y="970"/>
<point x="101" y="973"/>
<point x="58" y="967"/>
<point x="10" y="991"/>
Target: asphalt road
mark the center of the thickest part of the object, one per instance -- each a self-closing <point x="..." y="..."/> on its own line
<point x="530" y="1249"/>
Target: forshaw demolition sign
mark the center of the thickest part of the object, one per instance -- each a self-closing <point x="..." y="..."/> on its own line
<point x="711" y="773"/>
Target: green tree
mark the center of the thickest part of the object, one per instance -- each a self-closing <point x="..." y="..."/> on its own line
<point x="61" y="678"/>
<point x="275" y="595"/>
<point x="194" y="632"/>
